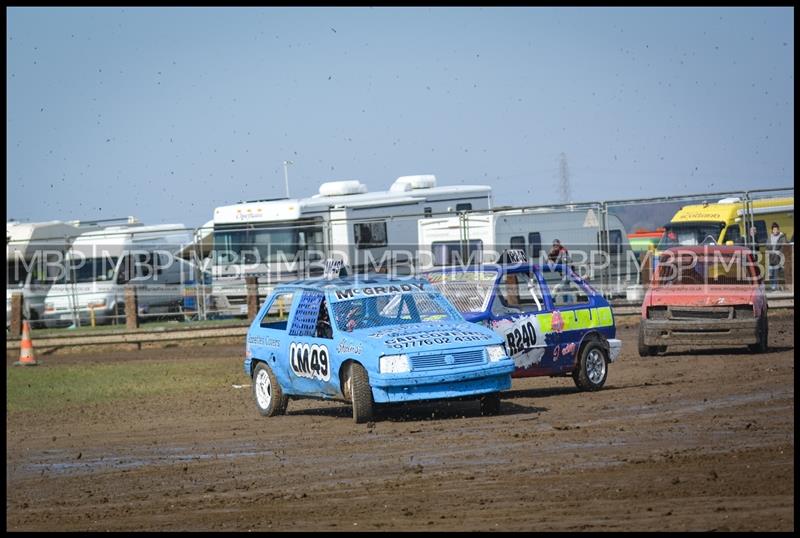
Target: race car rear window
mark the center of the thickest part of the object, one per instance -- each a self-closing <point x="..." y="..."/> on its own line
<point x="277" y="313"/>
<point x="563" y="290"/>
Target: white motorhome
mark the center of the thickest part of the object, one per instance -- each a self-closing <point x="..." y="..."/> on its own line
<point x="28" y="246"/>
<point x="101" y="264"/>
<point x="482" y="237"/>
<point x="280" y="240"/>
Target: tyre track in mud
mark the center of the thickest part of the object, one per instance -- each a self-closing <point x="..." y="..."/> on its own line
<point x="697" y="441"/>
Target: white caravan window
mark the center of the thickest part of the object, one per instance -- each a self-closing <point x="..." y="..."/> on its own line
<point x="370" y="234"/>
<point x="452" y="253"/>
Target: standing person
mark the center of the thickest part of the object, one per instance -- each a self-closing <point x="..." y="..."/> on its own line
<point x="558" y="253"/>
<point x="324" y="329"/>
<point x="776" y="239"/>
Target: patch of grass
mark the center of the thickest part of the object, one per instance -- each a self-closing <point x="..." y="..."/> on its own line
<point x="148" y="326"/>
<point x="42" y="387"/>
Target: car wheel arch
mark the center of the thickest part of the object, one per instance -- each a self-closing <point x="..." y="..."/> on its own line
<point x="592" y="336"/>
<point x="255" y="360"/>
<point x="344" y="374"/>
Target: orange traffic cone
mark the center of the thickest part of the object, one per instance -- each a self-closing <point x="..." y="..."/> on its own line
<point x="26" y="357"/>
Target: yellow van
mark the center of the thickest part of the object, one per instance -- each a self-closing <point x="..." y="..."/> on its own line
<point x="727" y="221"/>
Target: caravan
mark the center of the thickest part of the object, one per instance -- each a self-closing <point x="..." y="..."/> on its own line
<point x="284" y="239"/>
<point x="29" y="246"/>
<point x="599" y="255"/>
<point x="34" y="251"/>
<point x="101" y="264"/>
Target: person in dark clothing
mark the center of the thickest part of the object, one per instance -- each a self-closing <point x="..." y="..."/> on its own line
<point x="558" y="253"/>
<point x="324" y="329"/>
<point x="776" y="239"/>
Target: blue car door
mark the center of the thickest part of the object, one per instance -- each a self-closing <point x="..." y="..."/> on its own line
<point x="268" y="340"/>
<point x="517" y="313"/>
<point x="572" y="314"/>
<point x="310" y="348"/>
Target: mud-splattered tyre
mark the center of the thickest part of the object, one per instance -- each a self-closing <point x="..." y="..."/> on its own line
<point x="592" y="367"/>
<point x="644" y="350"/>
<point x="267" y="392"/>
<point x="361" y="394"/>
<point x="490" y="404"/>
<point x="763" y="337"/>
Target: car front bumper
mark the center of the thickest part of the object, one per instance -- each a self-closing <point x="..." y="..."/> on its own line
<point x="700" y="332"/>
<point x="438" y="385"/>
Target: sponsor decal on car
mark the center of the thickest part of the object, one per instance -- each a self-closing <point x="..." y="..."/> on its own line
<point x="349" y="348"/>
<point x="349" y="293"/>
<point x="310" y="360"/>
<point x="261" y="341"/>
<point x="524" y="339"/>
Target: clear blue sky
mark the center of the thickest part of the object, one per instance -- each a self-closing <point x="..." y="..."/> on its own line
<point x="166" y="113"/>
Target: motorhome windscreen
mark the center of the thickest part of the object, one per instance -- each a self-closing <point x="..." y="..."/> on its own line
<point x="469" y="291"/>
<point x="17" y="273"/>
<point x="244" y="243"/>
<point x="392" y="309"/>
<point x="689" y="234"/>
<point x="84" y="270"/>
<point x="715" y="269"/>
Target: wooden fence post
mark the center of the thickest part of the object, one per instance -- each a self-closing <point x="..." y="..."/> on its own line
<point x="15" y="330"/>
<point x="252" y="297"/>
<point x="131" y="308"/>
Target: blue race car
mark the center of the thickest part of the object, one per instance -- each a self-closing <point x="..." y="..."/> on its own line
<point x="553" y="322"/>
<point x="370" y="340"/>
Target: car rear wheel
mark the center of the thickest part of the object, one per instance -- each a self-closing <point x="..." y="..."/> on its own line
<point x="267" y="392"/>
<point x="592" y="368"/>
<point x="644" y="350"/>
<point x="490" y="404"/>
<point x="763" y="337"/>
<point x="361" y="394"/>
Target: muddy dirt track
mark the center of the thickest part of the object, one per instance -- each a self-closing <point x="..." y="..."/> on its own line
<point x="697" y="441"/>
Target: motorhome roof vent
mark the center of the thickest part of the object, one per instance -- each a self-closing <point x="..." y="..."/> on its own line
<point x="407" y="183"/>
<point x="732" y="200"/>
<point x="342" y="188"/>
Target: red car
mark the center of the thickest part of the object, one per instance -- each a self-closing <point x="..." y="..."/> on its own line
<point x="706" y="295"/>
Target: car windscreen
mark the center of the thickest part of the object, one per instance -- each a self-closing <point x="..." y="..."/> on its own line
<point x="393" y="309"/>
<point x="17" y="273"/>
<point x="717" y="269"/>
<point x="468" y="291"/>
<point x="89" y="270"/>
<point x="687" y="234"/>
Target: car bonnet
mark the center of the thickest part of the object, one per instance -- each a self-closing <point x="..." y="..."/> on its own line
<point x="427" y="336"/>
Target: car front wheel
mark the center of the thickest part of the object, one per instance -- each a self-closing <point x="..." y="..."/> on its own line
<point x="763" y="336"/>
<point x="490" y="404"/>
<point x="644" y="350"/>
<point x="592" y="369"/>
<point x="360" y="394"/>
<point x="267" y="392"/>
